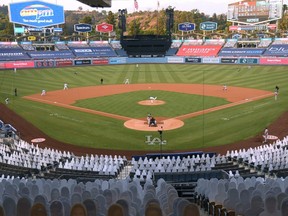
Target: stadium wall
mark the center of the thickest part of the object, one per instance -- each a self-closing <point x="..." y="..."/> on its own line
<point x="126" y="60"/>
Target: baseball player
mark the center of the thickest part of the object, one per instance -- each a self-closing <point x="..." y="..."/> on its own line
<point x="276" y="95"/>
<point x="43" y="93"/>
<point x="126" y="81"/>
<point x="152" y="99"/>
<point x="224" y="87"/>
<point x="7" y="101"/>
<point x="65" y="86"/>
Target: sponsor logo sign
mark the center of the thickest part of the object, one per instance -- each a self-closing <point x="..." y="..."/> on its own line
<point x="20" y="64"/>
<point x="50" y="54"/>
<point x="12" y="54"/>
<point x="117" y="60"/>
<point x="175" y="60"/>
<point x="193" y="60"/>
<point x="210" y="60"/>
<point x="61" y="63"/>
<point x="209" y="50"/>
<point x="33" y="30"/>
<point x="94" y="52"/>
<point x="208" y="26"/>
<point x="100" y="61"/>
<point x="241" y="52"/>
<point x="42" y="64"/>
<point x="82" y="27"/>
<point x="277" y="50"/>
<point x="229" y="60"/>
<point x="104" y="28"/>
<point x="82" y="62"/>
<point x="36" y="13"/>
<point x="274" y="61"/>
<point x="186" y="26"/>
<point x="58" y="30"/>
<point x="248" y="61"/>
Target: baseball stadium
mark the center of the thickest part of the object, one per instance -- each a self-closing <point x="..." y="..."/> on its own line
<point x="189" y="123"/>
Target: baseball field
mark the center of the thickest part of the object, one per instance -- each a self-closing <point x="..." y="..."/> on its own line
<point x="110" y="116"/>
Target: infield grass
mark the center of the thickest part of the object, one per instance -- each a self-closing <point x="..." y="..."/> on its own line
<point x="84" y="129"/>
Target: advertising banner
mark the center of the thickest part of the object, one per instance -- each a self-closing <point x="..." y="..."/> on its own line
<point x="82" y="27"/>
<point x="208" y="26"/>
<point x="63" y="63"/>
<point x="50" y="54"/>
<point x="94" y="52"/>
<point x="175" y="60"/>
<point x="36" y="13"/>
<point x="274" y="61"/>
<point x="12" y="54"/>
<point x="104" y="28"/>
<point x="280" y="50"/>
<point x="241" y="52"/>
<point x="82" y="62"/>
<point x="248" y="60"/>
<point x="229" y="60"/>
<point x="44" y="64"/>
<point x="211" y="60"/>
<point x="20" y="64"/>
<point x="199" y="50"/>
<point x="193" y="60"/>
<point x="186" y="26"/>
<point x="117" y="60"/>
<point x="100" y="61"/>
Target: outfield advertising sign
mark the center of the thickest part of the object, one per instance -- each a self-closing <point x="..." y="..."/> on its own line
<point x="208" y="60"/>
<point x="36" y="14"/>
<point x="241" y="52"/>
<point x="248" y="60"/>
<point x="199" y="50"/>
<point x="193" y="60"/>
<point x="274" y="61"/>
<point x="280" y="50"/>
<point x="229" y="60"/>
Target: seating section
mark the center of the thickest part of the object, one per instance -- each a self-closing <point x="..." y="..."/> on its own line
<point x="98" y="197"/>
<point x="239" y="196"/>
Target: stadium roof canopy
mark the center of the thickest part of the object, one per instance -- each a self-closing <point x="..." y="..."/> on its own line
<point x="96" y="3"/>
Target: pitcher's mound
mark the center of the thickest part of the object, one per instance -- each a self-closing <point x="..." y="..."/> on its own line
<point x="141" y="125"/>
<point x="149" y="103"/>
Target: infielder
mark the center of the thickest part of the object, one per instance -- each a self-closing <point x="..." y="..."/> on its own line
<point x="43" y="93"/>
<point x="126" y="81"/>
<point x="65" y="86"/>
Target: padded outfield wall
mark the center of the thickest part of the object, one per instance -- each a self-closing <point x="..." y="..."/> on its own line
<point x="125" y="60"/>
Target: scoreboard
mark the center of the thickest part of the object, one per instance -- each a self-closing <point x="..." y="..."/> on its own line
<point x="254" y="11"/>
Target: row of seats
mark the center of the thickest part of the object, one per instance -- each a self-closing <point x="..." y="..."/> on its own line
<point x="250" y="196"/>
<point x="19" y="196"/>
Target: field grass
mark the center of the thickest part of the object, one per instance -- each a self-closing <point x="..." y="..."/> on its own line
<point x="83" y="129"/>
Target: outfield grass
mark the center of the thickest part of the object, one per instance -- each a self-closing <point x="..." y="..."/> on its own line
<point x="83" y="129"/>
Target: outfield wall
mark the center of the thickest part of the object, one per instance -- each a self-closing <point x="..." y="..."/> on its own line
<point x="126" y="60"/>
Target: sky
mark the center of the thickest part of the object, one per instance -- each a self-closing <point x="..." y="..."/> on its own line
<point x="206" y="6"/>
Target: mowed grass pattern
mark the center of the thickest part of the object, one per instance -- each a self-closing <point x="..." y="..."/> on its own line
<point x="83" y="129"/>
<point x="127" y="104"/>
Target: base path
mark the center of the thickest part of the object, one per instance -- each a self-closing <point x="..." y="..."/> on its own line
<point x="235" y="95"/>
